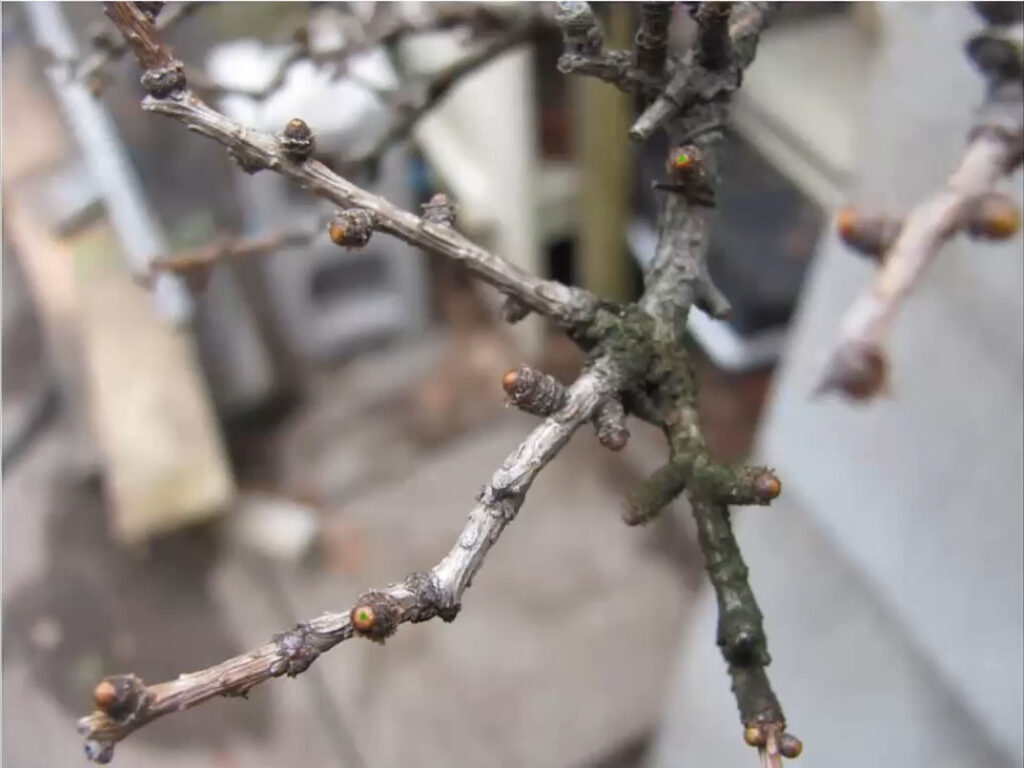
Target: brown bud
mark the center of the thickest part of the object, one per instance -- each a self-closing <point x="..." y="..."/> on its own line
<point x="104" y="695"/>
<point x="753" y="736"/>
<point x="790" y="746"/>
<point x="297" y="140"/>
<point x="869" y="234"/>
<point x="351" y="228"/>
<point x="993" y="216"/>
<point x="767" y="486"/>
<point x="508" y="381"/>
<point x="532" y="391"/>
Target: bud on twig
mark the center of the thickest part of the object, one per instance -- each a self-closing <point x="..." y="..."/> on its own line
<point x="610" y="424"/>
<point x="375" y="616"/>
<point x="297" y="140"/>
<point x="687" y="176"/>
<point x="351" y="228"/>
<point x="993" y="216"/>
<point x="790" y="746"/>
<point x="857" y="369"/>
<point x="580" y="28"/>
<point x="869" y="234"/>
<point x="532" y="391"/>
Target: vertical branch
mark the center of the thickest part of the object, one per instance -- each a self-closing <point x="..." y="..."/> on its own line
<point x="650" y="45"/>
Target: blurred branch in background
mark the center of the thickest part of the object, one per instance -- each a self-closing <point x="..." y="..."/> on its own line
<point x="904" y="248"/>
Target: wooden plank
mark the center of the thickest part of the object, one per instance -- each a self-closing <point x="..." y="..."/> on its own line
<point x="154" y="422"/>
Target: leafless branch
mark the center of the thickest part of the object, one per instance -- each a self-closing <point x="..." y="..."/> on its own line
<point x="638" y="364"/>
<point x="125" y="703"/>
<point x="92" y="70"/>
<point x="967" y="203"/>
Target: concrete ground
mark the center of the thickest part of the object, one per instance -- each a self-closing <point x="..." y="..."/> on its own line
<point x="559" y="657"/>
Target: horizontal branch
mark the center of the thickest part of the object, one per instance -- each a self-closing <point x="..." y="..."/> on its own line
<point x="125" y="703"/>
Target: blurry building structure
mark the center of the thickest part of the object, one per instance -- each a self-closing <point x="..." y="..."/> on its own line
<point x="890" y="572"/>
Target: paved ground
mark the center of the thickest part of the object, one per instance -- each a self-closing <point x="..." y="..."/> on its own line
<point x="558" y="659"/>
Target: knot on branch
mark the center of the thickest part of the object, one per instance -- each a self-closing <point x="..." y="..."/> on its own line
<point x="536" y="393"/>
<point x="858" y="369"/>
<point x="439" y="210"/>
<point x="870" y="234"/>
<point x="430" y="600"/>
<point x="351" y="228"/>
<point x="580" y="27"/>
<point x="297" y="140"/>
<point x="161" y="82"/>
<point x="992" y="216"/>
<point x="610" y="424"/>
<point x="247" y="161"/>
<point x="513" y="310"/>
<point x="375" y="616"/>
<point x="298" y="648"/>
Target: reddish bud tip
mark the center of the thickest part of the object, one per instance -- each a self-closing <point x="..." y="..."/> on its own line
<point x="767" y="486"/>
<point x="508" y="381"/>
<point x="104" y="695"/>
<point x="615" y="441"/>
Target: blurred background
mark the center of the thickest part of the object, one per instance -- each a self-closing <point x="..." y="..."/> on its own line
<point x="191" y="468"/>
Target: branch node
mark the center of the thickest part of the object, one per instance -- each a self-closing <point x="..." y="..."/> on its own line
<point x="162" y="82"/>
<point x="439" y="210"/>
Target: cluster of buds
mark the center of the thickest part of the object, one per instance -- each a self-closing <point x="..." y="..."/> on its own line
<point x="767" y="738"/>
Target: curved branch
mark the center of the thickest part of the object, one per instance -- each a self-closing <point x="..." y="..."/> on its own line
<point x="125" y="703"/>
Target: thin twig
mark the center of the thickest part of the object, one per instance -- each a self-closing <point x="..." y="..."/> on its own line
<point x="125" y="703"/>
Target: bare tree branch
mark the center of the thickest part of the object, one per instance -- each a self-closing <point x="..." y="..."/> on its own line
<point x="169" y="95"/>
<point x="967" y="203"/>
<point x="125" y="703"/>
<point x="638" y="364"/>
